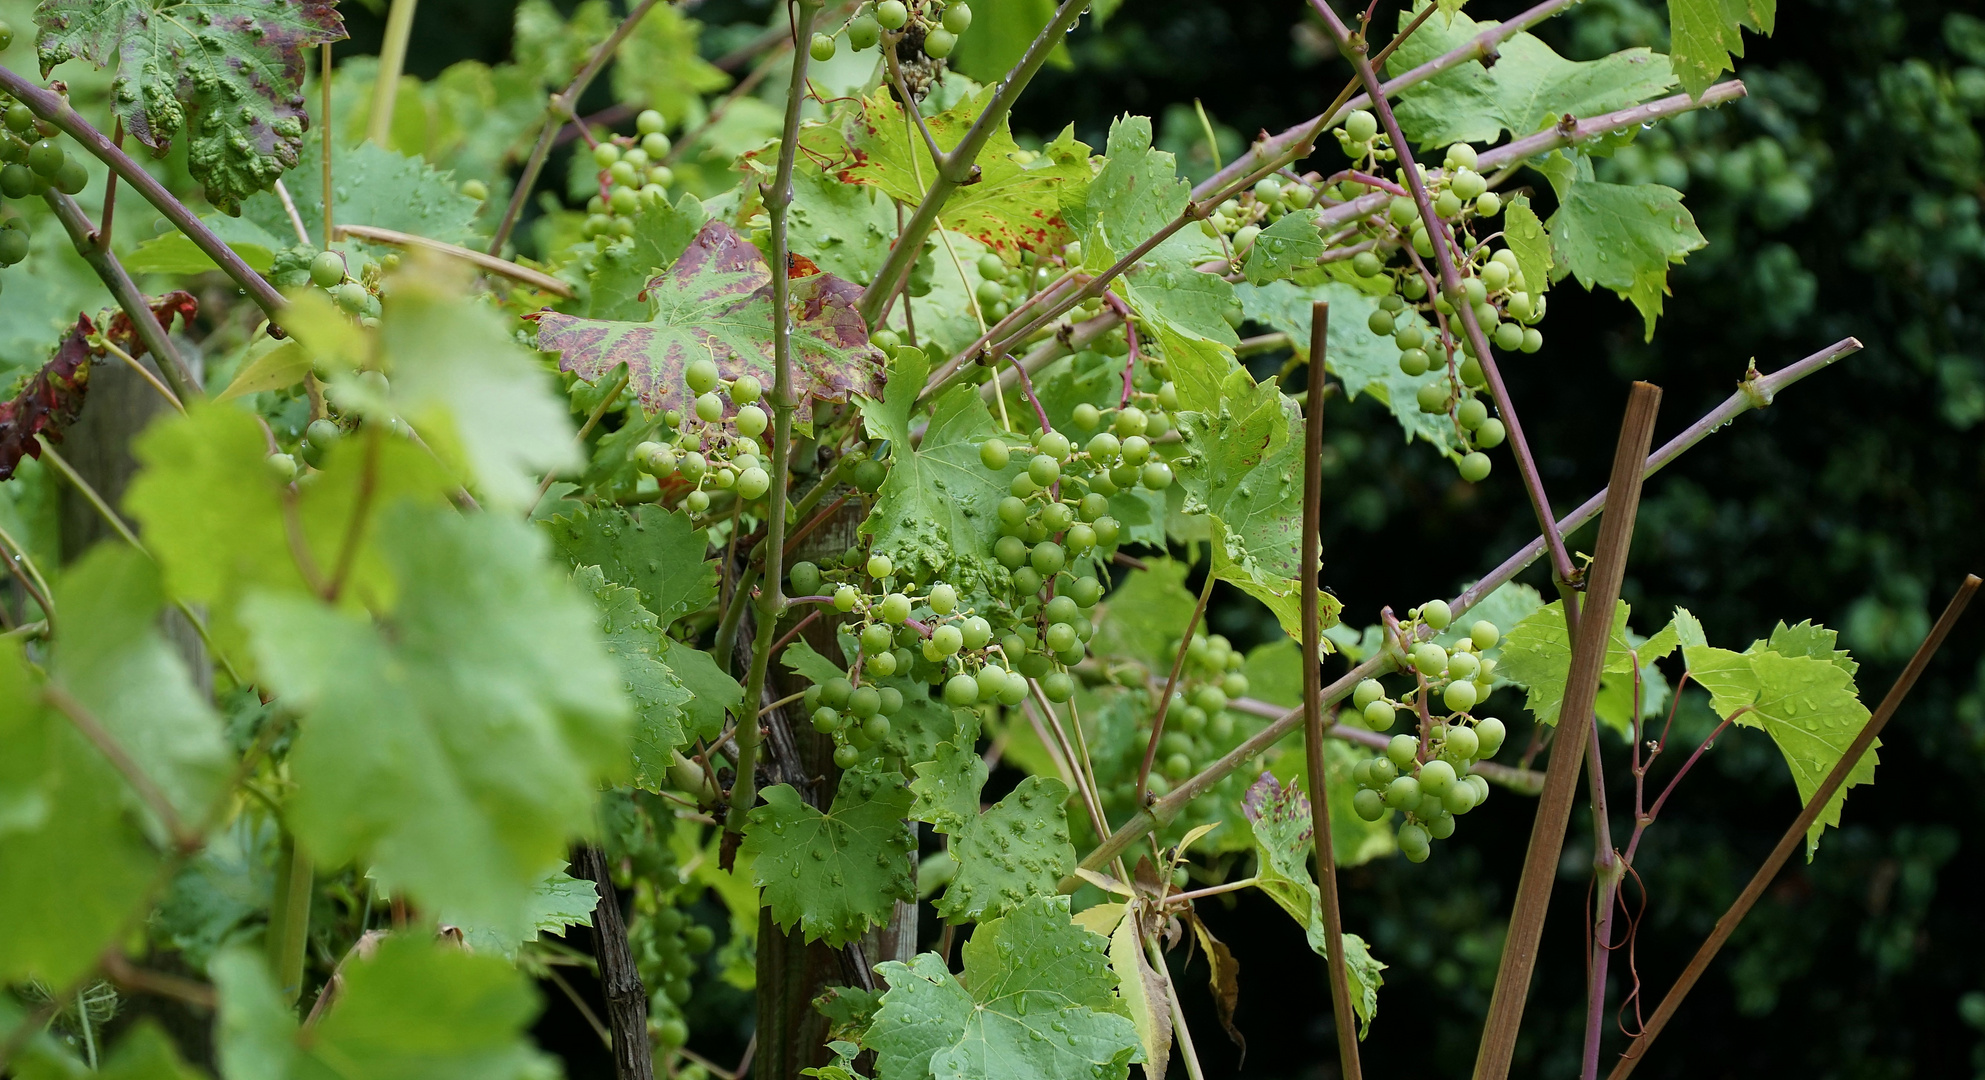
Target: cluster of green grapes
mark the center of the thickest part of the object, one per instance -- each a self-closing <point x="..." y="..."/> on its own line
<point x="631" y="175"/>
<point x="1244" y="216"/>
<point x="1426" y="775"/>
<point x="718" y="445"/>
<point x="1197" y="722"/>
<point x="857" y="716"/>
<point x="34" y="162"/>
<point x="930" y="26"/>
<point x="667" y="943"/>
<point x="356" y="295"/>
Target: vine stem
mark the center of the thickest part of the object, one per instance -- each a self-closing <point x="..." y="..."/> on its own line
<point x="956" y="167"/>
<point x="536" y="279"/>
<point x="1353" y="47"/>
<point x="139" y="369"/>
<point x="392" y="61"/>
<point x="324" y="86"/>
<point x="1171" y="684"/>
<point x="129" y="297"/>
<point x="778" y="197"/>
<point x="1795" y="833"/>
<point x="556" y="110"/>
<point x="52" y="108"/>
<point x="620" y="977"/>
<point x="37" y="586"/>
<point x="1588" y="658"/>
<point x="1312" y="573"/>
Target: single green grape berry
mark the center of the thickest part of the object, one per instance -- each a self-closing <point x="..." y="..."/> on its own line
<point x="1366" y="264"/>
<point x="957" y="16"/>
<point x="1484" y="634"/>
<point x="845" y="597"/>
<point x="826" y="720"/>
<point x="1402" y="793"/>
<point x="1107" y="529"/>
<point x="947" y="640"/>
<point x="605" y="154"/>
<point x="1447" y="204"/>
<point x="1463" y="665"/>
<point x="1435" y="613"/>
<point x="1461" y="744"/>
<point x="1495" y="276"/>
<point x="1058" y="686"/>
<point x="752" y="421"/>
<point x="1459" y="696"/>
<point x="71" y="178"/>
<point x="938" y="42"/>
<point x="1533" y="339"/>
<point x="845" y="757"/>
<point x="650" y="122"/>
<point x="879" y="566"/>
<point x="1436" y="777"/>
<point x="282" y="467"/>
<point x="1402" y="750"/>
<point x="46" y="157"/>
<point x="1055" y="445"/>
<point x="1414" y="844"/>
<point x="696" y="502"/>
<point x="1491" y="434"/>
<point x="1104" y="446"/>
<point x="1379" y="715"/>
<point x="1043" y="470"/>
<point x="863" y="32"/>
<point x="1360" y="126"/>
<point x="1475" y="467"/>
<point x="16" y="181"/>
<point x="1369" y="805"/>
<point x="1013" y="510"/>
<point x="994" y="455"/>
<point x="1432" y="397"/>
<point x="622" y="173"/>
<point x="1047" y="558"/>
<point x="895" y="609"/>
<point x="1413" y="362"/>
<point x="1085" y="591"/>
<point x="1429" y="658"/>
<point x="1441" y="825"/>
<point x="805" y="579"/>
<point x="20" y="118"/>
<point x="1409" y="335"/>
<point x="1489" y="735"/>
<point x="701" y="375"/>
<point x="747" y="390"/>
<point x="1011" y="551"/>
<point x="836" y="692"/>
<point x="960" y="689"/>
<point x="1380" y="323"/>
<point x="475" y="189"/>
<point x="992" y="267"/>
<point x="892" y="701"/>
<point x="351" y="296"/>
<point x="1087" y="416"/>
<point x="753" y="483"/>
<point x="943" y="598"/>
<point x="1156" y="475"/>
<point x="1458" y="799"/>
<point x="1080" y="538"/>
<point x="1367" y="691"/>
<point x="657" y="146"/>
<point x="876" y="638"/>
<point x="891" y="14"/>
<point x="977" y="632"/>
<point x="1509" y="337"/>
<point x="709" y="408"/>
<point x="327" y="269"/>
<point x="869" y="475"/>
<point x="821" y="48"/>
<point x="1467" y="183"/>
<point x="1131" y="421"/>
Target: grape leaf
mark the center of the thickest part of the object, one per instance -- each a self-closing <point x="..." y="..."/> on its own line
<point x="634" y="639"/>
<point x="1245" y="471"/>
<point x="1137" y="193"/>
<point x="1526" y="237"/>
<point x="658" y="67"/>
<point x="1275" y="674"/>
<point x="489" y="656"/>
<point x="1042" y="1005"/>
<point x="1366" y="364"/>
<point x="559" y="903"/>
<point x="1292" y="243"/>
<point x="60" y="819"/>
<point x="654" y="550"/>
<point x="1536" y="654"/>
<point x="413" y="1008"/>
<point x="1807" y="704"/>
<point x="947" y="788"/>
<point x="1009" y="207"/>
<point x="1282" y="838"/>
<point x="621" y="272"/>
<point x="213" y="514"/>
<point x="715" y="303"/>
<point x="1017" y="849"/>
<point x="1000" y="36"/>
<point x="1143" y="993"/>
<point x="1808" y="639"/>
<point x="147" y="1053"/>
<point x="373" y="186"/>
<point x="552" y="49"/>
<point x="938" y="509"/>
<point x="1704" y="34"/>
<point x="844" y="228"/>
<point x="223" y="892"/>
<point x="1141" y="617"/>
<point x="1172" y="295"/>
<point x="229" y="72"/>
<point x="713" y="693"/>
<point x="1621" y="236"/>
<point x="1529" y="87"/>
<point x="837" y="874"/>
<point x="48" y="402"/>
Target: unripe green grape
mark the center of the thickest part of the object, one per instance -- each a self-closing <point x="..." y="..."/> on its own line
<point x="624" y="174"/>
<point x="1436" y="777"/>
<point x="1130" y="421"/>
<point x="1062" y="609"/>
<point x="1409" y="336"/>
<point x="845" y="597"/>
<point x="1414" y="844"/>
<point x="1402" y="793"/>
<point x="1156" y="475"/>
<point x="723" y="477"/>
<point x="1432" y="397"/>
<point x="1491" y="434"/>
<point x="821" y="47"/>
<point x="1484" y="634"/>
<point x="992" y="681"/>
<point x="1047" y="558"/>
<point x="961" y="689"/>
<point x="696" y="502"/>
<point x="1402" y="750"/>
<point x="868" y="475"/>
<point x="891" y="14"/>
<point x="863" y="32"/>
<point x="1435" y="613"/>
<point x="16" y="181"/>
<point x="1011" y="551"/>
<point x="1470" y="369"/>
<point x="1092" y="506"/>
<point x="1475" y="467"/>
<point x="1379" y="715"/>
<point x="1489" y="735"/>
<point x="709" y="408"/>
<point x="1458" y="799"/>
<point x="1508" y="337"/>
<point x="1428" y="808"/>
<point x="1058" y="686"/>
<point x="47" y="157"/>
<point x="1368" y="691"/>
<point x="943" y="598"/>
<point x="693" y="466"/>
<point x="836" y="691"/>
<point x="1441" y="826"/>
<point x="1380" y="323"/>
<point x="1107" y="529"/>
<point x="1366" y="264"/>
<point x="20" y="118"/>
<point x="1235" y="685"/>
<point x="864" y="702"/>
<point x="875" y="638"/>
<point x="895" y="609"/>
<point x="751" y="421"/>
<point x="1494" y="276"/>
<point x="939" y="42"/>
<point x="1447" y="204"/>
<point x="1460" y="156"/>
<point x="1463" y="665"/>
<point x="1191" y="720"/>
<point x="1368" y="804"/>
<point x="975" y="632"/>
<point x="1043" y="470"/>
<point x="1459" y="696"/>
<point x="1474" y="291"/>
<point x="1461" y="743"/>
<point x="1360" y="126"/>
<point x="1104" y="446"/>
<point x="1467" y="183"/>
<point x="1413" y="362"/>
<point x="1059" y="638"/>
<point x="845" y="757"/>
<point x="948" y="639"/>
<point x="351" y="296"/>
<point x="327" y="269"/>
<point x="1533" y="339"/>
<point x="14" y="245"/>
<point x="1471" y="413"/>
<point x="1080" y="538"/>
<point x="1085" y="591"/>
<point x="1087" y="416"/>
<point x="1211" y="698"/>
<point x="752" y="483"/>
<point x="701" y="375"/>
<point x="605" y="154"/>
<point x="879" y="566"/>
<point x="1429" y="658"/>
<point x="1382" y="771"/>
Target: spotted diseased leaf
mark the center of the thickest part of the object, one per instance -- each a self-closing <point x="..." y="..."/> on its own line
<point x="1017" y="849"/>
<point x="1282" y="841"/>
<point x="1807" y="704"/>
<point x="1014" y="204"/>
<point x="1041" y="1005"/>
<point x="49" y="401"/>
<point x="229" y="72"/>
<point x="836" y="874"/>
<point x="1704" y="34"/>
<point x="715" y="303"/>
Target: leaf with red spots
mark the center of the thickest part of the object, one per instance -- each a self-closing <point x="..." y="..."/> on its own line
<point x="716" y="303"/>
<point x="49" y="401"/>
<point x="177" y="302"/>
<point x="230" y="72"/>
<point x="1016" y="201"/>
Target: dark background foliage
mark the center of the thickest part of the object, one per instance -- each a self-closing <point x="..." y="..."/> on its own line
<point x="1841" y="198"/>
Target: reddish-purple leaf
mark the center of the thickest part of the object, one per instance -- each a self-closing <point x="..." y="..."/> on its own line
<point x="230" y="72"/>
<point x="716" y="303"/>
<point x="48" y="402"/>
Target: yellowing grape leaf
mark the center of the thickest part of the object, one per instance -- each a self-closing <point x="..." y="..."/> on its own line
<point x="230" y="72"/>
<point x="1041" y="1005"/>
<point x="1282" y="839"/>
<point x="490" y="656"/>
<point x="715" y="303"/>
<point x="1013" y="204"/>
<point x="837" y="874"/>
